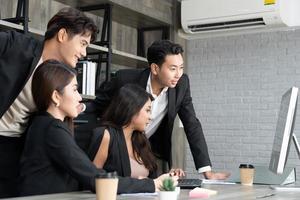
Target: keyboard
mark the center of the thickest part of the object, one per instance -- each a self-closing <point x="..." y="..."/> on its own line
<point x="186" y="183"/>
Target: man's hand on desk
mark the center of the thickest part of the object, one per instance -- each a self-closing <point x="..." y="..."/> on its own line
<point x="216" y="175"/>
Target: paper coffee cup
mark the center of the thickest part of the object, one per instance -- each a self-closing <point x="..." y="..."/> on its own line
<point x="246" y="174"/>
<point x="106" y="186"/>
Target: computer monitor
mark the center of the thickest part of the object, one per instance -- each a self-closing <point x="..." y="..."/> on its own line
<point x="284" y="131"/>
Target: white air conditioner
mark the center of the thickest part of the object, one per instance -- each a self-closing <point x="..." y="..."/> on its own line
<point x="210" y="16"/>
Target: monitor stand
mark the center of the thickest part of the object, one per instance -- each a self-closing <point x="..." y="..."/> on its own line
<point x="290" y="187"/>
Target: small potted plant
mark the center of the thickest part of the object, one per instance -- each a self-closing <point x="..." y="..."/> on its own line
<point x="167" y="190"/>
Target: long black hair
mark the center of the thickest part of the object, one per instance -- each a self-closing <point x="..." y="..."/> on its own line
<point x="129" y="100"/>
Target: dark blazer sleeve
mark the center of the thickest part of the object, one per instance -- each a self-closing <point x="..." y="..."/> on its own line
<point x="19" y="54"/>
<point x="192" y="127"/>
<point x="4" y="41"/>
<point x="133" y="185"/>
<point x="63" y="150"/>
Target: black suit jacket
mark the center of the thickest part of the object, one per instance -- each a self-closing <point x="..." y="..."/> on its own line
<point x="118" y="158"/>
<point x="19" y="54"/>
<point x="52" y="162"/>
<point x="179" y="101"/>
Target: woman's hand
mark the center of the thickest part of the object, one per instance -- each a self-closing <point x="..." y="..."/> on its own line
<point x="177" y="172"/>
<point x="158" y="181"/>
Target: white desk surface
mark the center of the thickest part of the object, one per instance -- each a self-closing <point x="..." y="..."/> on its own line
<point x="225" y="192"/>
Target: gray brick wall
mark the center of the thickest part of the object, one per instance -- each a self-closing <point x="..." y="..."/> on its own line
<point x="236" y="84"/>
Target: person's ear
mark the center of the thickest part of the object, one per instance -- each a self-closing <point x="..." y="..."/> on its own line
<point x="154" y="68"/>
<point x="55" y="98"/>
<point x="62" y="35"/>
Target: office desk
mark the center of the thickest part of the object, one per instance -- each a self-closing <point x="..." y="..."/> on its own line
<point x="225" y="192"/>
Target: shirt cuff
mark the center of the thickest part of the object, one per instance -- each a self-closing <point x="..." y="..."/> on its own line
<point x="204" y="169"/>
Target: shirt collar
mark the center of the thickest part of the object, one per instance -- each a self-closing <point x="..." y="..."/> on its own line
<point x="149" y="87"/>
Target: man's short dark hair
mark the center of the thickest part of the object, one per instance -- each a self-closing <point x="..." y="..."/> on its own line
<point x="158" y="51"/>
<point x="74" y="21"/>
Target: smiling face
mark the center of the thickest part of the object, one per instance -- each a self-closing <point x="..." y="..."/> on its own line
<point x="142" y="118"/>
<point x="169" y="73"/>
<point x="69" y="100"/>
<point x="72" y="48"/>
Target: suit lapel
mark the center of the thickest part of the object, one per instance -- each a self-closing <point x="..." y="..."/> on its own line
<point x="171" y="104"/>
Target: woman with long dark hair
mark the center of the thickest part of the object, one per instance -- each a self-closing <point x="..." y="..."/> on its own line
<point x="51" y="161"/>
<point x="120" y="143"/>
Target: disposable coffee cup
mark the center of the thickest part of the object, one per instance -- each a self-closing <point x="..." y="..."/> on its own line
<point x="106" y="186"/>
<point x="246" y="174"/>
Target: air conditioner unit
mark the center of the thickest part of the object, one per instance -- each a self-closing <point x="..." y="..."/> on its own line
<point x="208" y="16"/>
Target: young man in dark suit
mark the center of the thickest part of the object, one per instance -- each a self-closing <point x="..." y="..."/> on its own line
<point x="167" y="83"/>
<point x="68" y="34"/>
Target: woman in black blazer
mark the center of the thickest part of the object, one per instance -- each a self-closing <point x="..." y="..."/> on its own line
<point x="51" y="161"/>
<point x="120" y="144"/>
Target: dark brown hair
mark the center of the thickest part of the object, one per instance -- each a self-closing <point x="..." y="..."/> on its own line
<point x="74" y="21"/>
<point x="129" y="100"/>
<point x="158" y="51"/>
<point x="51" y="75"/>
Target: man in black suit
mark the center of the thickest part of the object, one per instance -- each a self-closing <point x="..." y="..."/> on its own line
<point x="68" y="34"/>
<point x="165" y="80"/>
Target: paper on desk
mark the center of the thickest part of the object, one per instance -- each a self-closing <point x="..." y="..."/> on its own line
<point x="216" y="182"/>
<point x="140" y="194"/>
<point x="201" y="193"/>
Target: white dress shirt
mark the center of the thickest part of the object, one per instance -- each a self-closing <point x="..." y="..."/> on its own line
<point x="159" y="108"/>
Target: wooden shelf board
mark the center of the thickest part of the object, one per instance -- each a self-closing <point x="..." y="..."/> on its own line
<point x="88" y="96"/>
<point x="126" y="59"/>
<point x="120" y="14"/>
<point x="12" y="26"/>
<point x="7" y="24"/>
<point x="96" y="47"/>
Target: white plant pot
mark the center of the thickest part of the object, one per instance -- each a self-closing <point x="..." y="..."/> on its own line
<point x="167" y="195"/>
